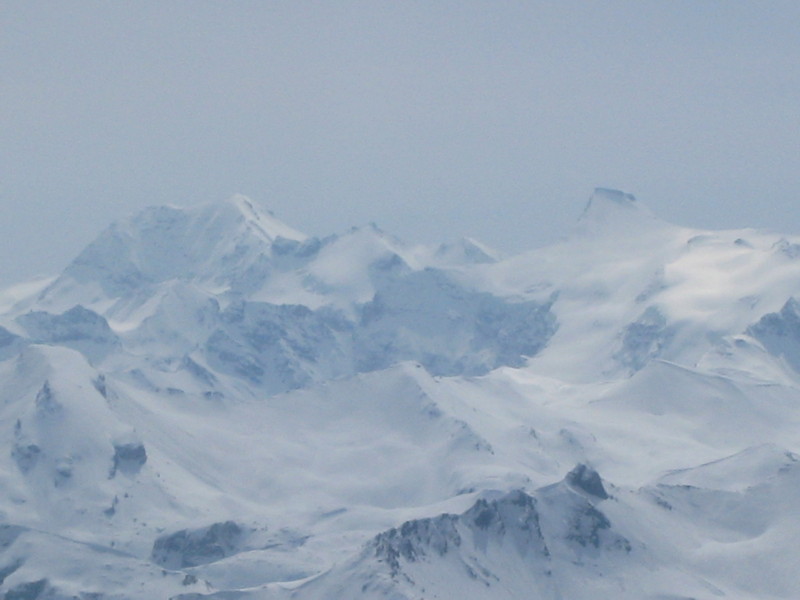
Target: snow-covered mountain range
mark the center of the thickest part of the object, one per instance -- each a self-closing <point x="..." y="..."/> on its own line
<point x="207" y="403"/>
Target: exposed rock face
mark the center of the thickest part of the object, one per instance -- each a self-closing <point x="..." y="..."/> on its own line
<point x="193" y="547"/>
<point x="556" y="533"/>
<point x="508" y="525"/>
<point x="26" y="456"/>
<point x="421" y="316"/>
<point x="780" y="332"/>
<point x="32" y="590"/>
<point x="7" y="570"/>
<point x="78" y="328"/>
<point x="644" y="339"/>
<point x="415" y="540"/>
<point x="513" y="516"/>
<point x="128" y="459"/>
<point x="587" y="479"/>
<point x="428" y="317"/>
<point x="10" y="344"/>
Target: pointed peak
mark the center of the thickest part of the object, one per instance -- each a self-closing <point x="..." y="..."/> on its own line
<point x="371" y="229"/>
<point x="609" y="207"/>
<point x="371" y="235"/>
<point x="251" y="212"/>
<point x="247" y="207"/>
<point x="618" y="197"/>
<point x="586" y="479"/>
<point x="220" y="217"/>
<point x="217" y="241"/>
<point x="465" y="251"/>
<point x="604" y="200"/>
<point x="242" y="201"/>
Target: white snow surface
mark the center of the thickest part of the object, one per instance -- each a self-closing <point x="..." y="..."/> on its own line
<point x="207" y="403"/>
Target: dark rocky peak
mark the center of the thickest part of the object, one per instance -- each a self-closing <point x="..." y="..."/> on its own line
<point x="512" y="516"/>
<point x="587" y="480"/>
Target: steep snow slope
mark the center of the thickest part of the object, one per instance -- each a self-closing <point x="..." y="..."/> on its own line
<point x="207" y="403"/>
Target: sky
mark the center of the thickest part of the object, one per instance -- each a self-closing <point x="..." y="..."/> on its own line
<point x="436" y="120"/>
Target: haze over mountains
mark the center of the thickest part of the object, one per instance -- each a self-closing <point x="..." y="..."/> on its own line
<point x="207" y="403"/>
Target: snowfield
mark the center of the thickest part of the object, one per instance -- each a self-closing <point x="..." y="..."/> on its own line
<point x="207" y="403"/>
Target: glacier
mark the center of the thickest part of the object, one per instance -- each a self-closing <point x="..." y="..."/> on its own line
<point x="208" y="403"/>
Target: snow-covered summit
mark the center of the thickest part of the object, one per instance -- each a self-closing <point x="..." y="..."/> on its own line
<point x="466" y="251"/>
<point x="214" y="245"/>
<point x="256" y="216"/>
<point x="611" y="196"/>
<point x="615" y="210"/>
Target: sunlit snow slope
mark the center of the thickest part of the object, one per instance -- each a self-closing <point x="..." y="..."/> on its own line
<point x="207" y="403"/>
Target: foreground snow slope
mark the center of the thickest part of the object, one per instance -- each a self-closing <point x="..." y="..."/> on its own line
<point x="208" y="403"/>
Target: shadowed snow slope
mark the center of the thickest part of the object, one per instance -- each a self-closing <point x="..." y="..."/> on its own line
<point x="208" y="404"/>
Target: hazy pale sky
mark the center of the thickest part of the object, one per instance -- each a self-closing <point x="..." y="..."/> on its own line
<point x="435" y="120"/>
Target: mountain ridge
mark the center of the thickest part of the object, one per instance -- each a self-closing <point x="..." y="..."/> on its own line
<point x="209" y="404"/>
